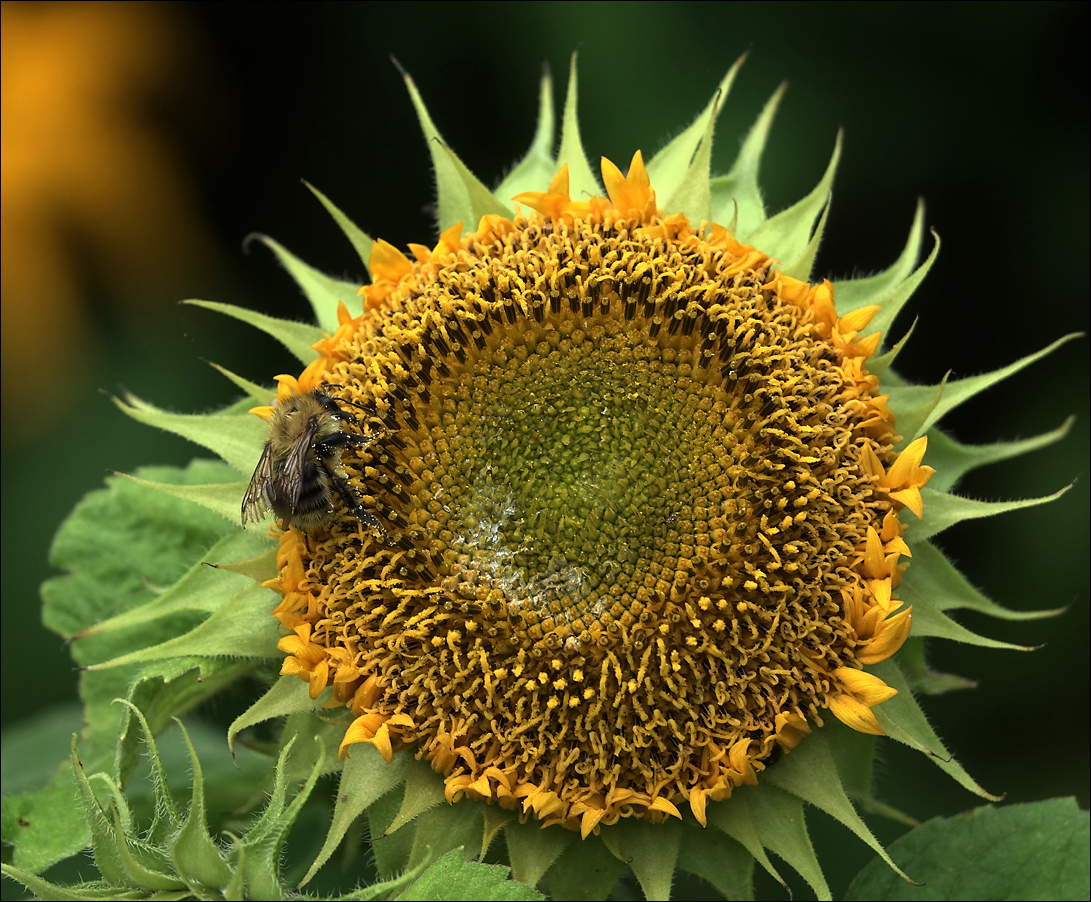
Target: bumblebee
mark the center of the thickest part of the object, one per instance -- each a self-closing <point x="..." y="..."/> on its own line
<point x="300" y="468"/>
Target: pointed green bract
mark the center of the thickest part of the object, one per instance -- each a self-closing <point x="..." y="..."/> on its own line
<point x="946" y="510"/>
<point x="922" y="678"/>
<point x="239" y="628"/>
<point x="288" y="695"/>
<point x="778" y="818"/>
<point x="531" y="850"/>
<point x="391" y="850"/>
<point x="692" y="194"/>
<point x="296" y="337"/>
<point x="447" y="827"/>
<point x="422" y="791"/>
<point x="930" y="621"/>
<point x="892" y="303"/>
<point x="880" y="364"/>
<point x="533" y="172"/>
<point x="810" y="773"/>
<point x="671" y="164"/>
<point x="584" y="870"/>
<point x="785" y="236"/>
<point x="461" y="196"/>
<point x="851" y="294"/>
<point x="232" y="437"/>
<point x="912" y="420"/>
<point x="324" y="292"/>
<point x="582" y="181"/>
<point x="733" y="817"/>
<point x="904" y="721"/>
<point x="193" y="849"/>
<point x="364" y="778"/>
<point x="717" y="859"/>
<point x="953" y="460"/>
<point x="802" y="266"/>
<point x="961" y="390"/>
<point x="221" y="497"/>
<point x="358" y="238"/>
<point x="736" y="196"/>
<point x="935" y="577"/>
<point x="651" y="850"/>
<point x="473" y="198"/>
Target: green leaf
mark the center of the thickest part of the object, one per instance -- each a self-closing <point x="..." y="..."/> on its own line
<point x="451" y="877"/>
<point x="785" y="236"/>
<point x="534" y="171"/>
<point x="461" y="195"/>
<point x="365" y="778"/>
<point x="45" y="827"/>
<point x="942" y="510"/>
<point x="718" y="859"/>
<point x="669" y="166"/>
<point x="737" y="195"/>
<point x="581" y="178"/>
<point x="1032" y="851"/>
<point x="651" y="850"/>
<point x="851" y="294"/>
<point x="296" y="337"/>
<point x="531" y="849"/>
<point x="359" y="239"/>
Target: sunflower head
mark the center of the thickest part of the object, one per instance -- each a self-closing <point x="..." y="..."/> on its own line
<point x="625" y="516"/>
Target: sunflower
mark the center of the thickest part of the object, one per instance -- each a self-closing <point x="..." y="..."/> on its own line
<point x="630" y="519"/>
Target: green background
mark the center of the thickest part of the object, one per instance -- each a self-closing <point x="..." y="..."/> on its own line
<point x="981" y="109"/>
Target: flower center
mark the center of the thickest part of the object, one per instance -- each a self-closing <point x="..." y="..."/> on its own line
<point x="627" y="495"/>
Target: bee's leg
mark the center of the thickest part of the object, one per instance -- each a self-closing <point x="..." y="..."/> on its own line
<point x="359" y="511"/>
<point x="333" y="405"/>
<point x="325" y="446"/>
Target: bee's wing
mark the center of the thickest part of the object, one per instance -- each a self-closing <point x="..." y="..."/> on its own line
<point x="291" y="474"/>
<point x="255" y="503"/>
